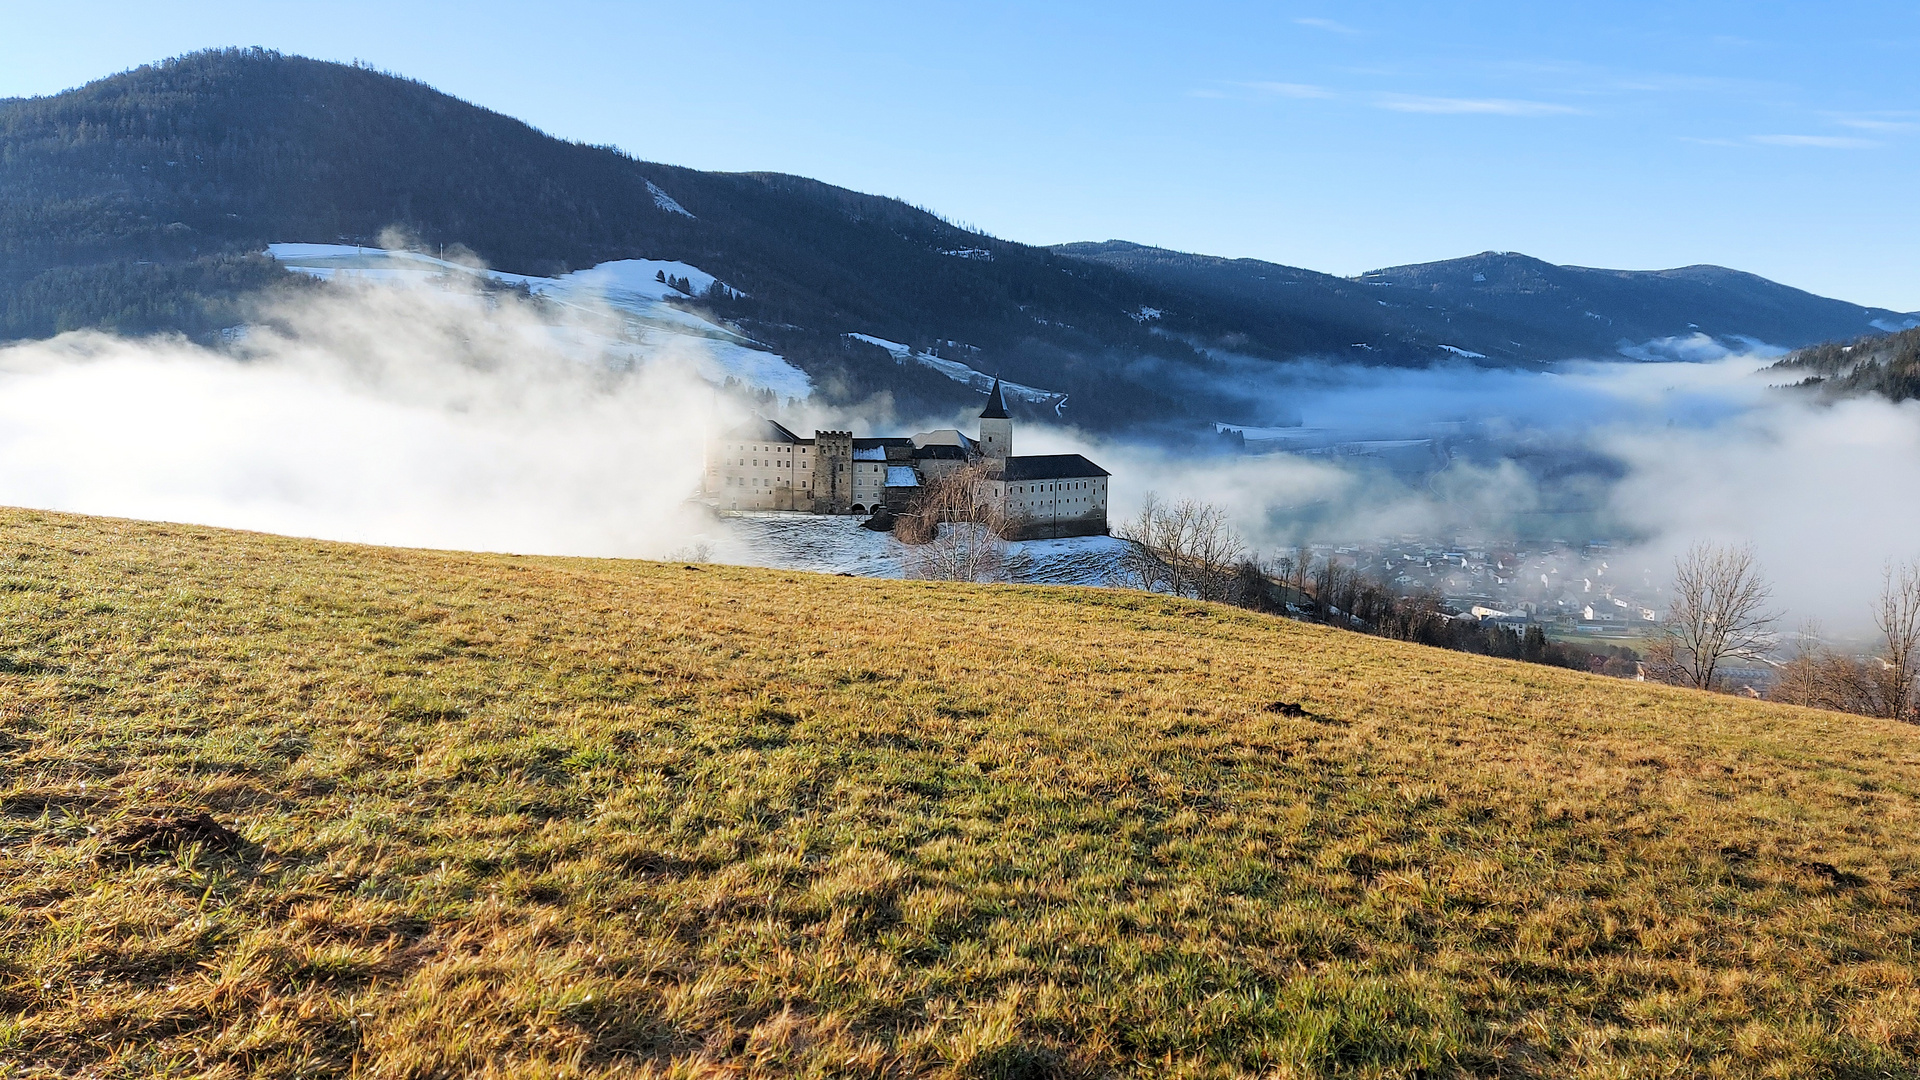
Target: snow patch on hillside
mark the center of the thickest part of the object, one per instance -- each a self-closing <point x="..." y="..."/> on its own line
<point x="961" y="373"/>
<point x="644" y="326"/>
<point x="665" y="201"/>
<point x="1468" y="353"/>
<point x="838" y="545"/>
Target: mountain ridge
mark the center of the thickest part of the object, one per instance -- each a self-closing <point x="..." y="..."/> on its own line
<point x="1557" y="319"/>
<point x="140" y="201"/>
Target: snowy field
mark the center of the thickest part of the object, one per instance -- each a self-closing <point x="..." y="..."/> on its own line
<point x="647" y="326"/>
<point x="838" y="545"/>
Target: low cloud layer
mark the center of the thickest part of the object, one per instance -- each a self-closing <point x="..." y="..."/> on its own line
<point x="432" y="416"/>
<point x="398" y="415"/>
<point x="1655" y="456"/>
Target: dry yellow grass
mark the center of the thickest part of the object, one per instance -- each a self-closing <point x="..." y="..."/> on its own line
<point x="543" y="817"/>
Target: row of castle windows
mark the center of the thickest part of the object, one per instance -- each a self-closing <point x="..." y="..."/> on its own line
<point x="754" y="481"/>
<point x="1076" y="486"/>
<point x="758" y="481"/>
<point x="758" y="463"/>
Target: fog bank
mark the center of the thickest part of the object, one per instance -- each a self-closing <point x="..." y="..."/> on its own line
<point x="469" y="418"/>
<point x="393" y="415"/>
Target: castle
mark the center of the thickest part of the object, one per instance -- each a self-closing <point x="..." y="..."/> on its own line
<point x="761" y="465"/>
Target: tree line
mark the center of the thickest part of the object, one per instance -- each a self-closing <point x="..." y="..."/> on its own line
<point x="1189" y="548"/>
<point x="1887" y="365"/>
<point x="1718" y="616"/>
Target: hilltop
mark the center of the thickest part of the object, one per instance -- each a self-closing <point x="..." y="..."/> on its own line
<point x="142" y="201"/>
<point x="1886" y="364"/>
<point x="529" y="816"/>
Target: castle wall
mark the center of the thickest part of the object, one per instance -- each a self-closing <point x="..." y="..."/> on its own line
<point x="1048" y="509"/>
<point x="1089" y="524"/>
<point x="764" y="466"/>
<point x="759" y="475"/>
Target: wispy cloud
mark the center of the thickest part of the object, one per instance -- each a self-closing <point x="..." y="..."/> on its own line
<point x="1290" y="90"/>
<point x="1328" y="25"/>
<point x="1415" y="103"/>
<point x="1821" y="142"/>
<point x="1824" y="142"/>
<point x="1889" y="126"/>
<point x="1407" y="103"/>
<point x="1566" y="77"/>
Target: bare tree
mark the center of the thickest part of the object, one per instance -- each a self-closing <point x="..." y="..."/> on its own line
<point x="1718" y="613"/>
<point x="1143" y="565"/>
<point x="1887" y="684"/>
<point x="1819" y="677"/>
<point x="952" y="533"/>
<point x="1282" y="572"/>
<point x="1302" y="569"/>
<point x="1897" y="615"/>
<point x="1186" y="548"/>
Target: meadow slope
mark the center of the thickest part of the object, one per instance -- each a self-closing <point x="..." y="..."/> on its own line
<point x="545" y="817"/>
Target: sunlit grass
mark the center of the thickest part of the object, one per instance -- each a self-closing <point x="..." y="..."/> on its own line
<point x="543" y="817"/>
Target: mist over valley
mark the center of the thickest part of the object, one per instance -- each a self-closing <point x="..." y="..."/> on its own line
<point x="478" y="601"/>
<point x="414" y="348"/>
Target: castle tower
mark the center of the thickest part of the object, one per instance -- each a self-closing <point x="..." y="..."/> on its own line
<point x="996" y="427"/>
<point x="832" y="471"/>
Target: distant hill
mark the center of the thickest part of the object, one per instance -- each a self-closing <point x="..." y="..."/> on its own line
<point x="1507" y="307"/>
<point x="140" y="202"/>
<point x="483" y="815"/>
<point x="1887" y="365"/>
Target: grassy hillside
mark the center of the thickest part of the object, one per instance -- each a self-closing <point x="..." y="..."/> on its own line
<point x="543" y="817"/>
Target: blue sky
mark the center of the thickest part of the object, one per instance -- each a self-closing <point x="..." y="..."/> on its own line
<point x="1778" y="138"/>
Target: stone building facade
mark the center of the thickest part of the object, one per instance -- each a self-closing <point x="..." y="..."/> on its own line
<point x="761" y="465"/>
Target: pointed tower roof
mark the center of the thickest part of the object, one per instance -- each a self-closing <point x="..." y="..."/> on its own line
<point x="996" y="405"/>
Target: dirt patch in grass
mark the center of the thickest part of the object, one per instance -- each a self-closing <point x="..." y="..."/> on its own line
<point x="163" y="833"/>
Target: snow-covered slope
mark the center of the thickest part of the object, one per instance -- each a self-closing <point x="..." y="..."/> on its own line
<point x="961" y="373"/>
<point x="840" y="545"/>
<point x="646" y="325"/>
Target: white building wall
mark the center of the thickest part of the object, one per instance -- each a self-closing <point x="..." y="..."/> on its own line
<point x="759" y="475"/>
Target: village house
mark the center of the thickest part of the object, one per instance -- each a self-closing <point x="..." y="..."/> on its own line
<point x="760" y="465"/>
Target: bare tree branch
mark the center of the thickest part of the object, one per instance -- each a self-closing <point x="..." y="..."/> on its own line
<point x="1898" y="617"/>
<point x="952" y="533"/>
<point x="1187" y="548"/>
<point x="1718" y="613"/>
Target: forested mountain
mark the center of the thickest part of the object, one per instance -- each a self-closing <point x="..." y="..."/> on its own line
<point x="140" y="202"/>
<point x="212" y="156"/>
<point x="1508" y="307"/>
<point x="1887" y="365"/>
